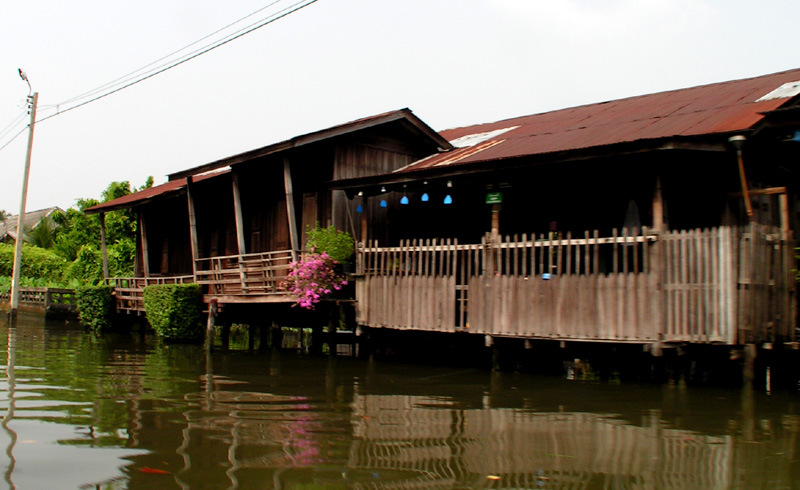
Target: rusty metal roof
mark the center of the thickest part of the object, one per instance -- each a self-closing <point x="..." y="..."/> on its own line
<point x="146" y="195"/>
<point x="699" y="111"/>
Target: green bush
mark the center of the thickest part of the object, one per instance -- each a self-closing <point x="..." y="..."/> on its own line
<point x="95" y="306"/>
<point x="337" y="244"/>
<point x="174" y="311"/>
<point x="37" y="263"/>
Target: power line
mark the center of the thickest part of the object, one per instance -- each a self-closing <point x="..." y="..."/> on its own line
<point x="132" y="74"/>
<point x="14" y="137"/>
<point x="11" y="125"/>
<point x="190" y="56"/>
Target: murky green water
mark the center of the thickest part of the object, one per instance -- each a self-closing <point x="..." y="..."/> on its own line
<point x="122" y="412"/>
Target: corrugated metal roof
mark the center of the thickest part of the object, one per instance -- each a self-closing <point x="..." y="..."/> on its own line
<point x="145" y="195"/>
<point x="705" y="110"/>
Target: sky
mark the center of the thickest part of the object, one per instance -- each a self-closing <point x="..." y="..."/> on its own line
<point x="453" y="63"/>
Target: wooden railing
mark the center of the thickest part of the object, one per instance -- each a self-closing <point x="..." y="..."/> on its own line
<point x="712" y="285"/>
<point x="249" y="274"/>
<point x="51" y="300"/>
<point x="129" y="291"/>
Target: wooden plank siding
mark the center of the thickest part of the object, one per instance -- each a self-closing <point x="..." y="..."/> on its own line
<point x="680" y="286"/>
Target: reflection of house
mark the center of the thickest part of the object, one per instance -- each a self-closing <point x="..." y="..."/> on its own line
<point x="33" y="219"/>
<point x="634" y="220"/>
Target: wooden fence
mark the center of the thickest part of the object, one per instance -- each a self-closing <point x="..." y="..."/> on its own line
<point x="712" y="285"/>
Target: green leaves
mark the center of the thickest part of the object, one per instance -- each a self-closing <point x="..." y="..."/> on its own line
<point x="173" y="311"/>
<point x="95" y="306"/>
<point x="337" y="244"/>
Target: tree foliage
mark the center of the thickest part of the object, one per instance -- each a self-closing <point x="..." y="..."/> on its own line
<point x="75" y="241"/>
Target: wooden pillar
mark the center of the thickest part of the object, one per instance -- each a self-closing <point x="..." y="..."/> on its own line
<point x="212" y="316"/>
<point x="333" y="323"/>
<point x="658" y="208"/>
<point x="290" y="211"/>
<point x="364" y="221"/>
<point x="749" y="374"/>
<point x="495" y="220"/>
<point x="237" y="209"/>
<point x="145" y="251"/>
<point x="192" y="224"/>
<point x="103" y="245"/>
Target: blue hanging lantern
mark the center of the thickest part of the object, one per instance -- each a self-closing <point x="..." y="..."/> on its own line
<point x="384" y="204"/>
<point x="359" y="209"/>
<point x="404" y="200"/>
<point x="448" y="199"/>
<point x="425" y="197"/>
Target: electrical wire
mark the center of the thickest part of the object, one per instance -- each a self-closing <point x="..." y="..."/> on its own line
<point x="14" y="137"/>
<point x="132" y="74"/>
<point x="190" y="56"/>
<point x="12" y="124"/>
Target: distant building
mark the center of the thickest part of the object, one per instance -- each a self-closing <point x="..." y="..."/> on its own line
<point x="8" y="227"/>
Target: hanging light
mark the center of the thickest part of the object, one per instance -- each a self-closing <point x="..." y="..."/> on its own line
<point x="449" y="183"/>
<point x="448" y="199"/>
<point x="359" y="209"/>
<point x="383" y="189"/>
<point x="425" y="197"/>
<point x="404" y="200"/>
<point x="384" y="204"/>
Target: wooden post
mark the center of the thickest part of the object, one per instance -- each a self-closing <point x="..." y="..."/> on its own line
<point x="363" y="221"/>
<point x="103" y="245"/>
<point x="237" y="208"/>
<point x="749" y="374"/>
<point x="495" y="220"/>
<point x="145" y="251"/>
<point x="658" y="208"/>
<point x="333" y="323"/>
<point x="212" y="315"/>
<point x="192" y="224"/>
<point x="287" y="182"/>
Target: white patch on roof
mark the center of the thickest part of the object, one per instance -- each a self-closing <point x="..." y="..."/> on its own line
<point x="783" y="92"/>
<point x="474" y="139"/>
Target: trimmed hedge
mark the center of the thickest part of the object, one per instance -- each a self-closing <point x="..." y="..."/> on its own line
<point x="173" y="310"/>
<point x="95" y="306"/>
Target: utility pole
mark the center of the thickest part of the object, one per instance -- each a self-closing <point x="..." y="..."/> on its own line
<point x="33" y="100"/>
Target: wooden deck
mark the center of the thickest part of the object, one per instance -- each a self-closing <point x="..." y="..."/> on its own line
<point x="249" y="278"/>
<point x="725" y="285"/>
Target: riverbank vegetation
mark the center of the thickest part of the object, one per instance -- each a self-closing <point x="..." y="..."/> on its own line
<point x="68" y="253"/>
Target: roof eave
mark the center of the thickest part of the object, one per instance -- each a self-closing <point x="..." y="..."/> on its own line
<point x="490" y="165"/>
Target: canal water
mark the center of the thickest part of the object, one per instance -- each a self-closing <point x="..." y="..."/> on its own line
<point x="124" y="412"/>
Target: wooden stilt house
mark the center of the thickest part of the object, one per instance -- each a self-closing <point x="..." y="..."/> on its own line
<point x="660" y="218"/>
<point x="234" y="225"/>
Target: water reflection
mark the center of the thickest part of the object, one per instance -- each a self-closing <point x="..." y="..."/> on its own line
<point x="124" y="412"/>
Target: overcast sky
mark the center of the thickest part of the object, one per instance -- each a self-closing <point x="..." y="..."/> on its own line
<point x="454" y="63"/>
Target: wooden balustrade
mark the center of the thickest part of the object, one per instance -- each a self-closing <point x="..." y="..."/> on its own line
<point x="248" y="274"/>
<point x="129" y="291"/>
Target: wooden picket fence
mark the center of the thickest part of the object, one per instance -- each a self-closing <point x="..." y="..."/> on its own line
<point x="707" y="285"/>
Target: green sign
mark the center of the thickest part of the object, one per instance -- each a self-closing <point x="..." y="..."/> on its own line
<point x="494" y="197"/>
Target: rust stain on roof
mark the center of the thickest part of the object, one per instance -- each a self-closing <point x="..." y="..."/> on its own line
<point x="705" y="110"/>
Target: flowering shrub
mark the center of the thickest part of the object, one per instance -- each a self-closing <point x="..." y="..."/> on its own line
<point x="312" y="277"/>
